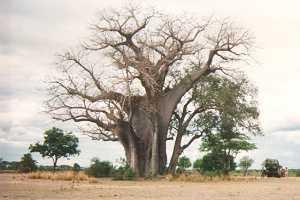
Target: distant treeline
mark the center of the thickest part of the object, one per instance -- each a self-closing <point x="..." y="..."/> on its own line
<point x="7" y="165"/>
<point x="15" y="165"/>
<point x="257" y="172"/>
<point x="105" y="168"/>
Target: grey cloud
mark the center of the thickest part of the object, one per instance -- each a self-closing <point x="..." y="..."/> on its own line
<point x="289" y="127"/>
<point x="284" y="146"/>
<point x="5" y="41"/>
<point x="111" y="151"/>
<point x="5" y="125"/>
<point x="5" y="92"/>
<point x="11" y="152"/>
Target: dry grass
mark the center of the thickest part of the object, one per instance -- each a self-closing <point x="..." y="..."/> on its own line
<point x="60" y="175"/>
<point x="196" y="177"/>
<point x="188" y="177"/>
<point x="93" y="180"/>
<point x="267" y="189"/>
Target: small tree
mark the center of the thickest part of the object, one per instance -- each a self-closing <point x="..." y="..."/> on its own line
<point x="27" y="164"/>
<point x="245" y="164"/>
<point x="183" y="163"/>
<point x="76" y="167"/>
<point x="56" y="145"/>
<point x="227" y="140"/>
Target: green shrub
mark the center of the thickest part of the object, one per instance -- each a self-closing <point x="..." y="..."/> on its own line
<point x="27" y="164"/>
<point x="215" y="162"/>
<point x="124" y="173"/>
<point x="183" y="163"/>
<point x="100" y="168"/>
<point x="129" y="174"/>
<point x="197" y="165"/>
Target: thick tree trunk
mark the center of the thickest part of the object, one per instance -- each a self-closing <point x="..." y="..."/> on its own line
<point x="144" y="143"/>
<point x="144" y="137"/>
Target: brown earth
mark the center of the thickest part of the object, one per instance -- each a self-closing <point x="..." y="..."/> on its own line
<point x="19" y="187"/>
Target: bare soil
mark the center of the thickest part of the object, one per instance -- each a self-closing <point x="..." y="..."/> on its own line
<point x="17" y="187"/>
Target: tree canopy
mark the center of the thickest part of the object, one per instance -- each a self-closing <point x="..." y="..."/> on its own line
<point x="203" y="111"/>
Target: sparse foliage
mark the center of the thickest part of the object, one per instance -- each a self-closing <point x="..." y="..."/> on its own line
<point x="245" y="164"/>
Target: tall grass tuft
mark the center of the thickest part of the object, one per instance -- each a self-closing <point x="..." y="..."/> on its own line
<point x="60" y="175"/>
<point x="196" y="177"/>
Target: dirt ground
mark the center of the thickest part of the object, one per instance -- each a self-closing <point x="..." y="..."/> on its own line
<point x="19" y="187"/>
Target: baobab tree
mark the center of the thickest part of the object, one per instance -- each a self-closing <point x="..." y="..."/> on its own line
<point x="125" y="81"/>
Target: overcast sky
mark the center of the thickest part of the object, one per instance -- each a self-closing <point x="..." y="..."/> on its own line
<point x="33" y="31"/>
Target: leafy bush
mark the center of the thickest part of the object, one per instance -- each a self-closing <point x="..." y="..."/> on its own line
<point x="183" y="163"/>
<point x="129" y="174"/>
<point x="105" y="169"/>
<point x="197" y="165"/>
<point x="124" y="173"/>
<point x="215" y="162"/>
<point x="100" y="168"/>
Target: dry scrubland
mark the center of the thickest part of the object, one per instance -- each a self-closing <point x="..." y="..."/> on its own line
<point x="20" y="187"/>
